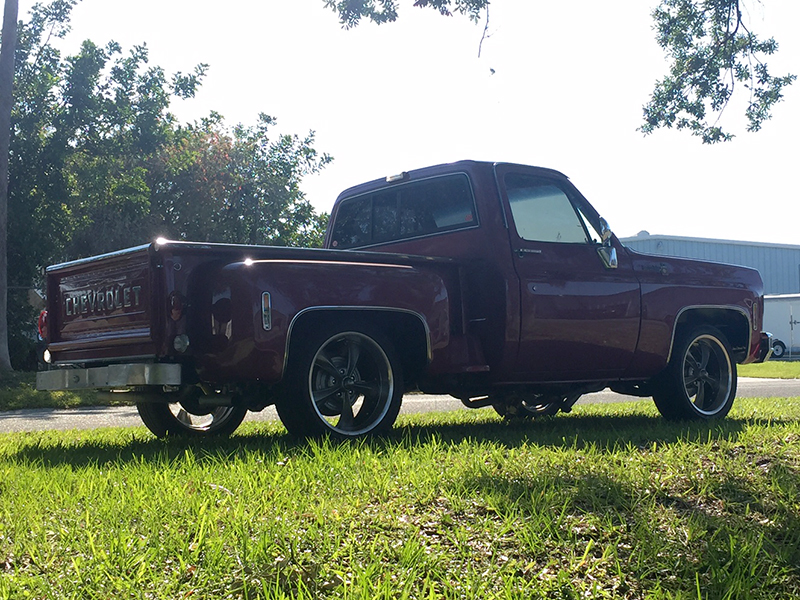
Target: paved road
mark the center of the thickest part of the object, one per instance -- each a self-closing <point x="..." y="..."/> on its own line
<point x="126" y="416"/>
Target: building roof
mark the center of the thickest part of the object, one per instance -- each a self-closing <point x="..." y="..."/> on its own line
<point x="644" y="235"/>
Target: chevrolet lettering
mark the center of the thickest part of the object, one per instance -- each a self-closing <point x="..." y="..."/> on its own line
<point x="496" y="283"/>
<point x="102" y="301"/>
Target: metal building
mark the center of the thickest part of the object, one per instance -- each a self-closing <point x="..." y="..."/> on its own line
<point x="779" y="264"/>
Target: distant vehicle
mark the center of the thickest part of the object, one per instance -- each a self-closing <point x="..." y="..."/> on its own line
<point x="496" y="283"/>
<point x="781" y="319"/>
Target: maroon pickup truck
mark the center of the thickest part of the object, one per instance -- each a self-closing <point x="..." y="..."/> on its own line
<point x="496" y="283"/>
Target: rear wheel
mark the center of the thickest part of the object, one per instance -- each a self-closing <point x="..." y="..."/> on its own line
<point x="700" y="380"/>
<point x="344" y="381"/>
<point x="190" y="417"/>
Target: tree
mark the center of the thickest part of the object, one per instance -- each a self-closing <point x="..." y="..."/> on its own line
<point x="711" y="51"/>
<point x="9" y="44"/>
<point x="98" y="163"/>
<point x="114" y="120"/>
<point x="710" y="48"/>
<point x="217" y="184"/>
<point x="385" y="11"/>
<point x="37" y="215"/>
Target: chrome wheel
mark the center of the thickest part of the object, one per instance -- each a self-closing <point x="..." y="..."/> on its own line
<point x="700" y="381"/>
<point x="351" y="383"/>
<point x="707" y="374"/>
<point x="345" y="383"/>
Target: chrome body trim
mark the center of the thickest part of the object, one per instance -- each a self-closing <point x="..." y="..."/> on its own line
<point x="144" y="358"/>
<point x="428" y="349"/>
<point x="82" y="261"/>
<point x="765" y="349"/>
<point x="110" y="377"/>
<point x="738" y="309"/>
<point x="266" y="311"/>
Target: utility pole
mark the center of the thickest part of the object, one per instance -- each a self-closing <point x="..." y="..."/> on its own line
<point x="9" y="45"/>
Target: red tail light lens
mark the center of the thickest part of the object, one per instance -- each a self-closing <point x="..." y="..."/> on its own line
<point x="175" y="306"/>
<point x="42" y="324"/>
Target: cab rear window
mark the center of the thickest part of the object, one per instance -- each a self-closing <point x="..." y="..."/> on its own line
<point x="404" y="211"/>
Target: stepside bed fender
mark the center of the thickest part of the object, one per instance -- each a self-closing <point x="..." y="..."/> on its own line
<point x="275" y="301"/>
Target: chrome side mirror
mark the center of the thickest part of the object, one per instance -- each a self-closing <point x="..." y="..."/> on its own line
<point x="607" y="252"/>
<point x="605" y="232"/>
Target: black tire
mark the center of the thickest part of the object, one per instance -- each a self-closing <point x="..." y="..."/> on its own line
<point x="176" y="419"/>
<point x="343" y="381"/>
<point x="778" y="349"/>
<point x="699" y="384"/>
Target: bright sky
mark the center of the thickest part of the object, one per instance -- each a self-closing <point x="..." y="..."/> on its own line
<point x="567" y="90"/>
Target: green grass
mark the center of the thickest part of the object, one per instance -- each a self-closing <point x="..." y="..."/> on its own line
<point x="606" y="502"/>
<point x="774" y="369"/>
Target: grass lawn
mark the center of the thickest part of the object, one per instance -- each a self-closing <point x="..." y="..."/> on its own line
<point x="606" y="502"/>
<point x="776" y="369"/>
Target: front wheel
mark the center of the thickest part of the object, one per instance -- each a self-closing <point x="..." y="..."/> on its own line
<point x="343" y="381"/>
<point x="778" y="349"/>
<point x="700" y="381"/>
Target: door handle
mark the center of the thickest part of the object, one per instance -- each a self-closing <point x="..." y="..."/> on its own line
<point x="521" y="252"/>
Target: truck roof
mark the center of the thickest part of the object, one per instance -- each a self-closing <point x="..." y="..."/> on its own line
<point x="440" y="169"/>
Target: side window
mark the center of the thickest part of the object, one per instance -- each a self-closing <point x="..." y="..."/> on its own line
<point x="405" y="211"/>
<point x="542" y="211"/>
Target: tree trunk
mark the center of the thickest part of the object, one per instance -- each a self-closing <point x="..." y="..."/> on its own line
<point x="9" y="42"/>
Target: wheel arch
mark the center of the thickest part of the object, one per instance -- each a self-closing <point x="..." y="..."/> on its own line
<point x="733" y="322"/>
<point x="406" y="329"/>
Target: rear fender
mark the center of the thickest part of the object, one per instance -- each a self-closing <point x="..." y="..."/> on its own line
<point x="407" y="329"/>
<point x="274" y="301"/>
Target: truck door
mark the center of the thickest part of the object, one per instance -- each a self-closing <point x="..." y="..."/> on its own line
<point x="580" y="315"/>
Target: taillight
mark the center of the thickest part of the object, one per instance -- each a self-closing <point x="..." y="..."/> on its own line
<point x="175" y="306"/>
<point x="42" y="325"/>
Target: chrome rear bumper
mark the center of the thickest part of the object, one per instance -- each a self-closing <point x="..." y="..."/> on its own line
<point x="110" y="377"/>
<point x="765" y="347"/>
